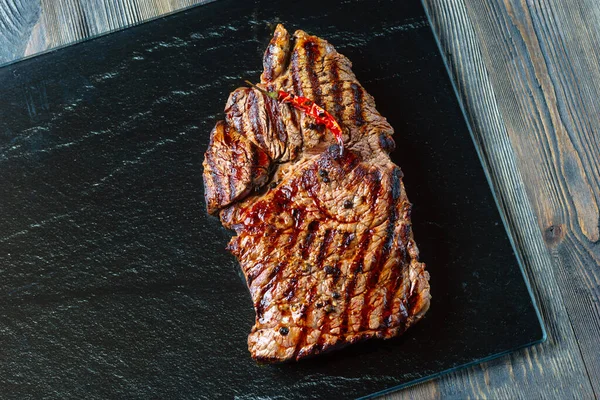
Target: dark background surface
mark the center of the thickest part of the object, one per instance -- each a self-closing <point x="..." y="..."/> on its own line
<point x="116" y="282"/>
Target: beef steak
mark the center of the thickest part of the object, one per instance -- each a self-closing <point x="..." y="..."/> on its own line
<point x="324" y="239"/>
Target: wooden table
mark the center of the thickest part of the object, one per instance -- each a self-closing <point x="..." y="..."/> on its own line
<point x="528" y="76"/>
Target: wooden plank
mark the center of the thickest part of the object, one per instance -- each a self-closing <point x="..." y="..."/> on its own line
<point x="17" y="18"/>
<point x="534" y="66"/>
<point x="549" y="69"/>
<point x="30" y="27"/>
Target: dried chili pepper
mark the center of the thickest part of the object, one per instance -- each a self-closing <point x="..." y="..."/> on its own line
<point x="311" y="108"/>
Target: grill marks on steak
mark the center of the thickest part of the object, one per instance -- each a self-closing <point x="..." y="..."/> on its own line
<point x="233" y="167"/>
<point x="327" y="247"/>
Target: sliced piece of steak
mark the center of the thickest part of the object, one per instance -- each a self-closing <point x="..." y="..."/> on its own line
<point x="324" y="239"/>
<point x="233" y="167"/>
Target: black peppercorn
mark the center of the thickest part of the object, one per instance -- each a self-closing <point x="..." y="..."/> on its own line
<point x="335" y="295"/>
<point x="348" y="204"/>
<point x="324" y="175"/>
<point x="284" y="330"/>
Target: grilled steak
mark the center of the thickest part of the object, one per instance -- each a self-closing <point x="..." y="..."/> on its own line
<point x="324" y="239"/>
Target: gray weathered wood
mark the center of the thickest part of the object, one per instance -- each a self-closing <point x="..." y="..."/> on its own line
<point x="17" y="19"/>
<point x="29" y="27"/>
<point x="528" y="75"/>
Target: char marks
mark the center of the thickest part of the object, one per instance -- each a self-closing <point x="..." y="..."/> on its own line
<point x="327" y="239"/>
<point x="233" y="167"/>
<point x="212" y="179"/>
<point x="337" y="87"/>
<point x="357" y="94"/>
<point x="255" y="121"/>
<point x="313" y="58"/>
<point x="354" y="269"/>
<point x="272" y="280"/>
<point x="311" y="234"/>
<point x="295" y="73"/>
<point x="388" y="244"/>
<point x="327" y="248"/>
<point x="275" y="118"/>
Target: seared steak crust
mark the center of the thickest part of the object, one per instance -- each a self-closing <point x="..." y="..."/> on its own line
<point x="324" y="239"/>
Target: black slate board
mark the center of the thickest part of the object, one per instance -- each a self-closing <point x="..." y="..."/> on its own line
<point x="116" y="284"/>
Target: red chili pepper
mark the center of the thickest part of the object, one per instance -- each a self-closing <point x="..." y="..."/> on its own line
<point x="309" y="107"/>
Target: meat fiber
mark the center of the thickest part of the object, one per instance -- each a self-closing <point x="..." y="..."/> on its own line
<point x="324" y="240"/>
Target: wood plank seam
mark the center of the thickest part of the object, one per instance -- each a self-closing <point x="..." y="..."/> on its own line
<point x="575" y="193"/>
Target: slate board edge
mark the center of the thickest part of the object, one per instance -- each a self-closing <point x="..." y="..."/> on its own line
<point x="518" y="255"/>
<point x="490" y="183"/>
<point x="453" y="369"/>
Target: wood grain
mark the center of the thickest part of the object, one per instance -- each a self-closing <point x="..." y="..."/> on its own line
<point x="528" y="76"/>
<point x="29" y="27"/>
<point x="551" y="73"/>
